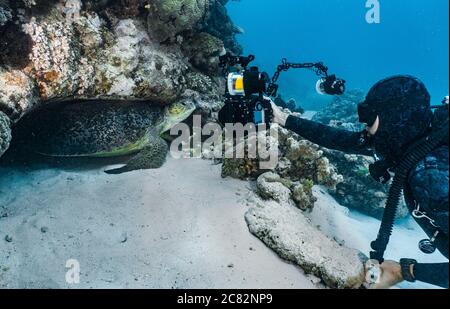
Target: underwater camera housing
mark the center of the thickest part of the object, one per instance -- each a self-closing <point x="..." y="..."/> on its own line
<point x="249" y="91"/>
<point x="245" y="100"/>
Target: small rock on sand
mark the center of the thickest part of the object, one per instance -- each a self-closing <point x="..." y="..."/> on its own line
<point x="123" y="237"/>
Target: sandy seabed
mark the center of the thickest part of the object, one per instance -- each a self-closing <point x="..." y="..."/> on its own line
<point x="181" y="226"/>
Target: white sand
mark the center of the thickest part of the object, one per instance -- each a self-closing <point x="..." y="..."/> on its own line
<point x="183" y="224"/>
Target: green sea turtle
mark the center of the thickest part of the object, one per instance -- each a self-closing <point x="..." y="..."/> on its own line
<point x="102" y="129"/>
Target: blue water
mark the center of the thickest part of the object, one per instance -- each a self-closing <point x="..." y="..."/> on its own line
<point x="411" y="38"/>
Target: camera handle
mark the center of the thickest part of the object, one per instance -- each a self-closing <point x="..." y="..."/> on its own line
<point x="319" y="68"/>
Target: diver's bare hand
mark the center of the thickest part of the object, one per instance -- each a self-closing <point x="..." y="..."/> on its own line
<point x="279" y="116"/>
<point x="382" y="276"/>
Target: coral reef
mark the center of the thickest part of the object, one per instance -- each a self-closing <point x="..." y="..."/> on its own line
<point x="277" y="213"/>
<point x="127" y="8"/>
<point x="202" y="83"/>
<point x="220" y="25"/>
<point x="5" y="12"/>
<point x="169" y="18"/>
<point x="271" y="186"/>
<point x="55" y="50"/>
<point x="203" y="51"/>
<point x="240" y="168"/>
<point x="17" y="93"/>
<point x="71" y="9"/>
<point x="301" y="164"/>
<point x="359" y="190"/>
<point x="304" y="160"/>
<point x="14" y="45"/>
<point x="65" y="58"/>
<point x="342" y="111"/>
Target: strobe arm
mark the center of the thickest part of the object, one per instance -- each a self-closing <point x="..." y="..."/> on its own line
<point x="319" y="68"/>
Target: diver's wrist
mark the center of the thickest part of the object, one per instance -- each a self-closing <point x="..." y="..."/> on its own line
<point x="281" y="118"/>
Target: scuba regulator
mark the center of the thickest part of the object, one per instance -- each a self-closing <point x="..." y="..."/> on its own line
<point x="249" y="91"/>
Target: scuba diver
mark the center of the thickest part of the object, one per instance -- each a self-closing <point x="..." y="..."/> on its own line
<point x="411" y="142"/>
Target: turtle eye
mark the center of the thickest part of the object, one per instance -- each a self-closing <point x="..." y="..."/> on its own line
<point x="176" y="109"/>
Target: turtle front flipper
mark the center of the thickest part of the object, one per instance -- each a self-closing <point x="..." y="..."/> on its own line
<point x="151" y="156"/>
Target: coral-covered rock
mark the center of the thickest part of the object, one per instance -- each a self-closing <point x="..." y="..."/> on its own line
<point x="129" y="8"/>
<point x="60" y="49"/>
<point x="5" y="133"/>
<point x="5" y="12"/>
<point x="203" y="51"/>
<point x="92" y="62"/>
<point x="219" y="24"/>
<point x="168" y="18"/>
<point x="301" y="164"/>
<point x="272" y="186"/>
<point x="136" y="68"/>
<point x="202" y="83"/>
<point x="286" y="230"/>
<point x="15" y="46"/>
<point x="301" y="159"/>
<point x="18" y="93"/>
<point x="242" y="159"/>
<point x="240" y="168"/>
<point x="298" y="159"/>
<point x="285" y="191"/>
<point x="359" y="190"/>
<point x="302" y="194"/>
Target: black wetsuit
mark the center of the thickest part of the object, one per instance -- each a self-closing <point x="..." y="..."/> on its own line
<point x="427" y="186"/>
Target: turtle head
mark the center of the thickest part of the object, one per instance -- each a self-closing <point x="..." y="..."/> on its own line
<point x="176" y="113"/>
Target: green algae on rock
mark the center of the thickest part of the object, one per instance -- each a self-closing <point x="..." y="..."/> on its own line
<point x="168" y="18"/>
